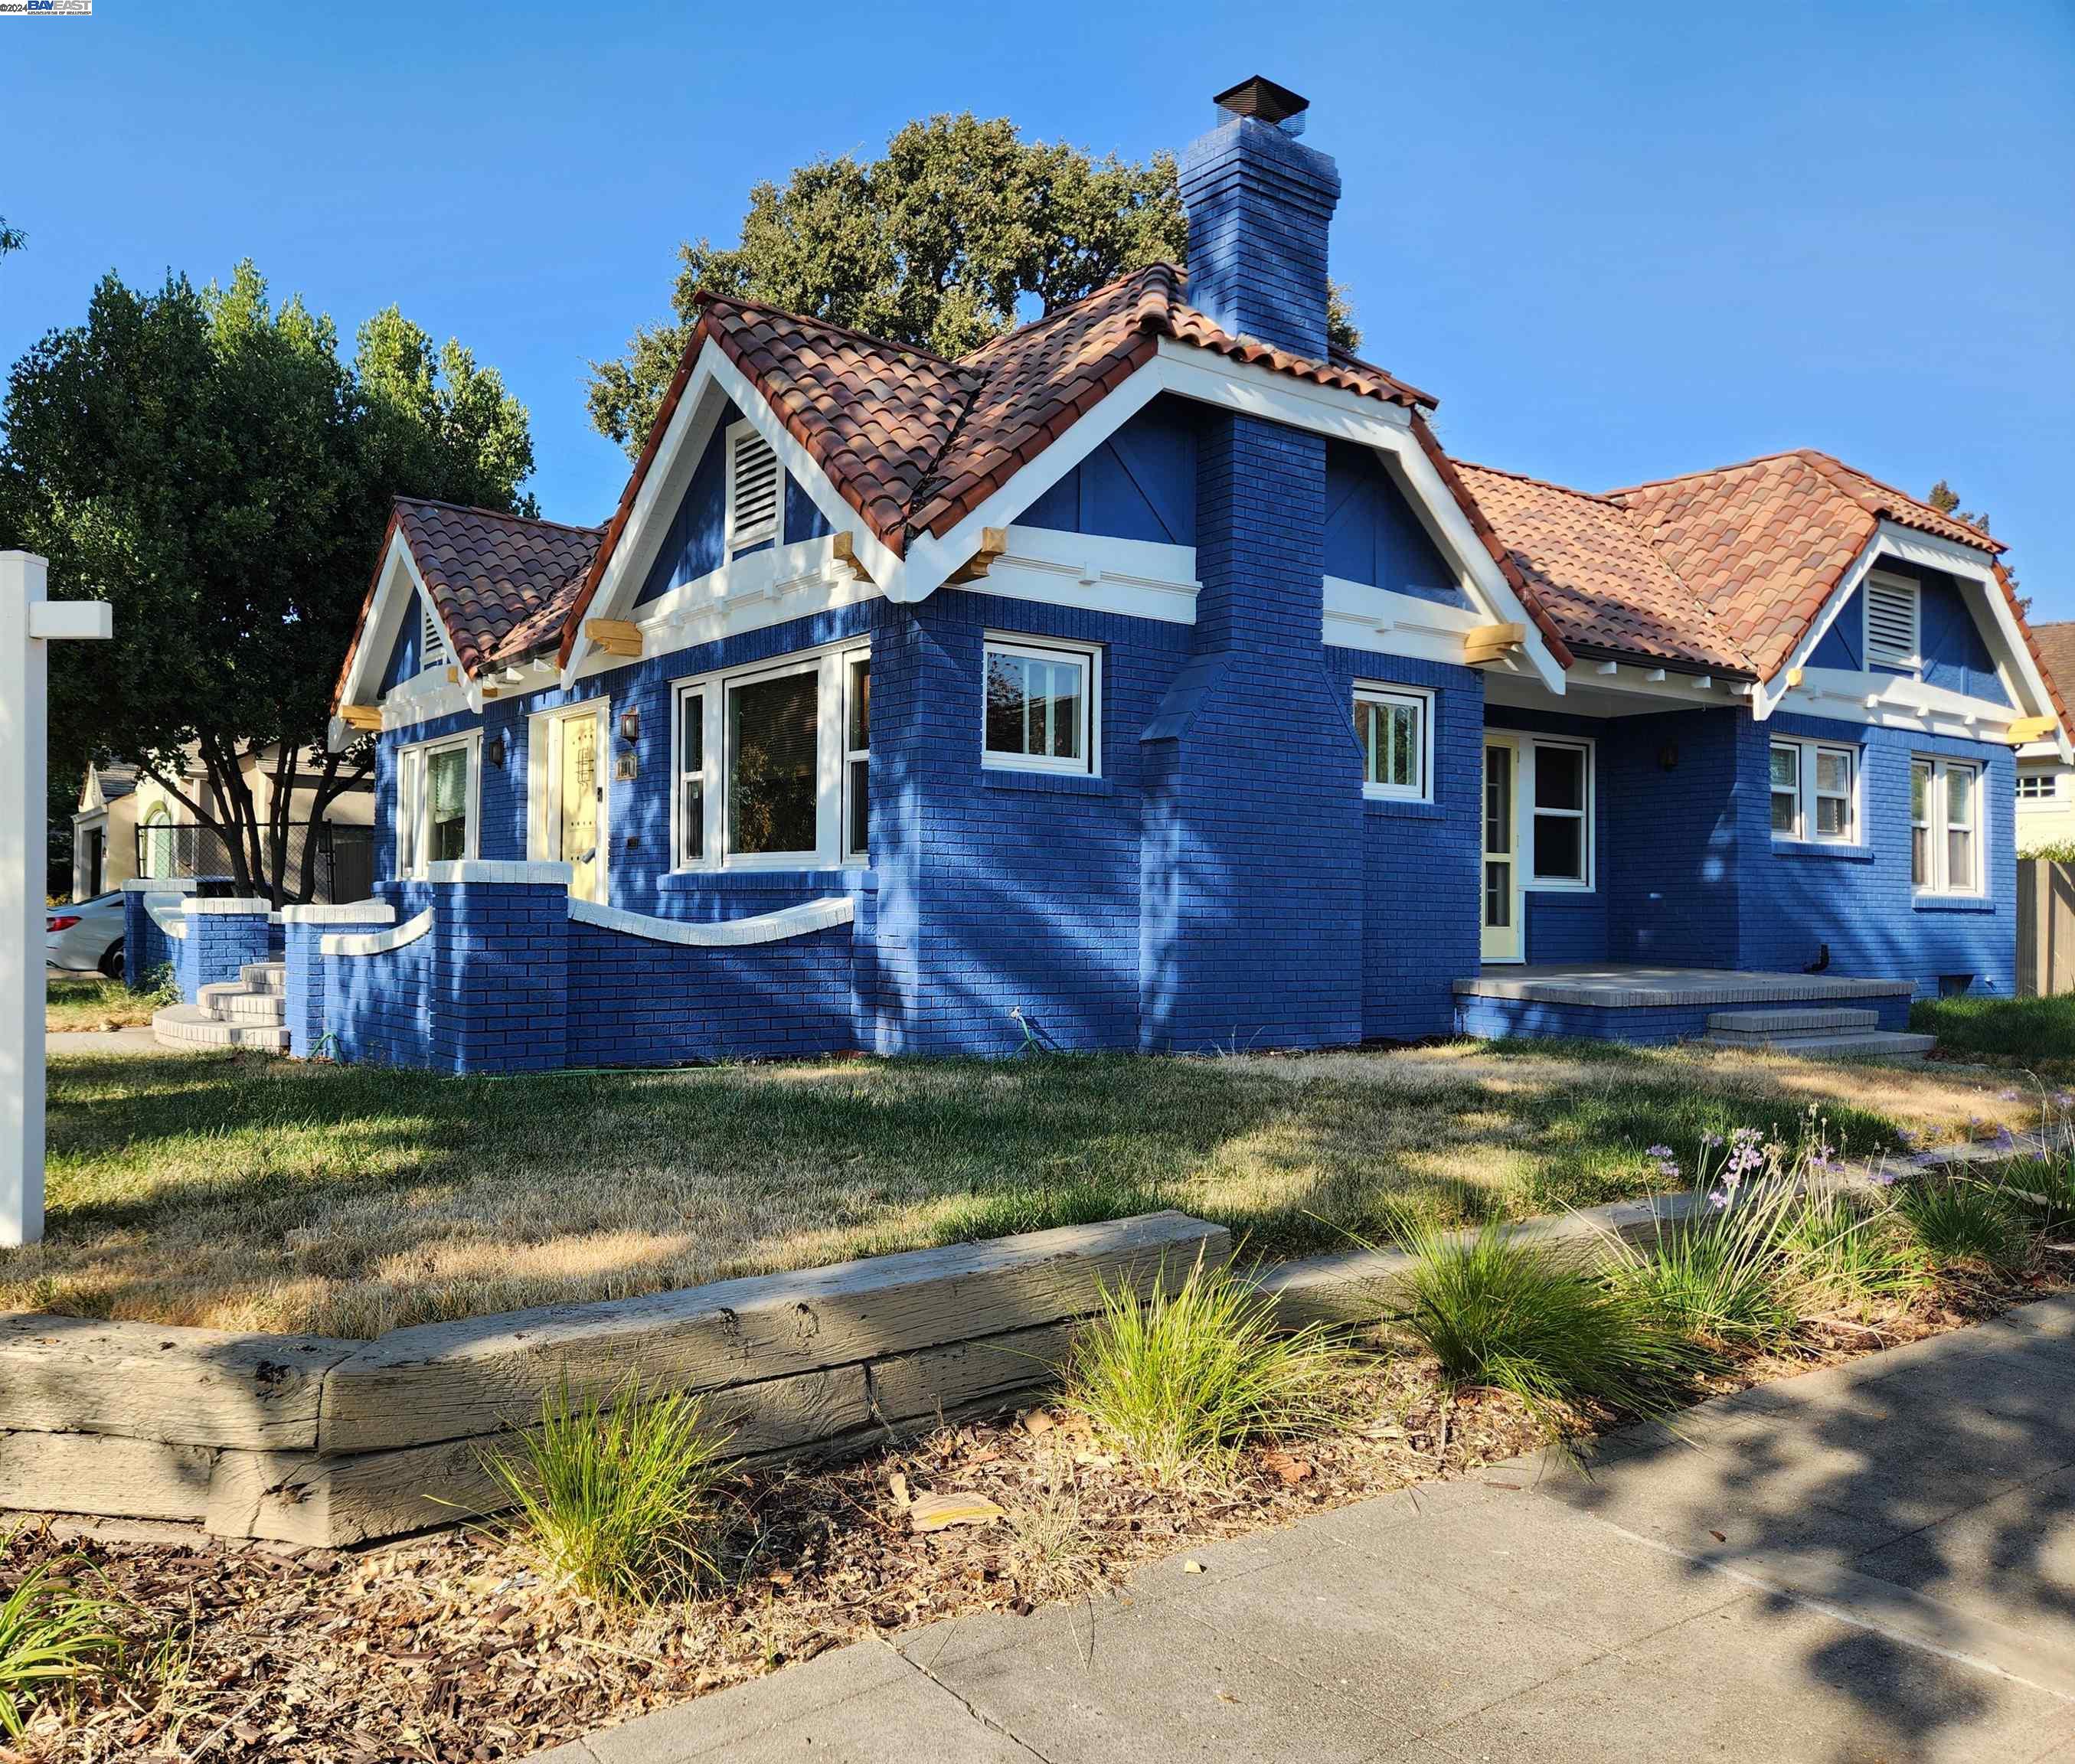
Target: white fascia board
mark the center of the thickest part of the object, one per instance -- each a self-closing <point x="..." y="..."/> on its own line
<point x="750" y="593"/>
<point x="1386" y="622"/>
<point x="377" y="636"/>
<point x="1139" y="578"/>
<point x="1892" y="701"/>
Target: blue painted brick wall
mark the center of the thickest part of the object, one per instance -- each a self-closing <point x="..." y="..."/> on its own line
<point x="217" y="946"/>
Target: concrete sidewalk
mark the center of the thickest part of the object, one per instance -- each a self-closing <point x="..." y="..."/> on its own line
<point x="1875" y="1562"/>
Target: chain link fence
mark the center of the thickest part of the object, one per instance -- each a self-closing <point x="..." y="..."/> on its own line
<point x="341" y="859"/>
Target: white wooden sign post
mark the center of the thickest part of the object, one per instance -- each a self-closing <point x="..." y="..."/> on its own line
<point x="28" y="622"/>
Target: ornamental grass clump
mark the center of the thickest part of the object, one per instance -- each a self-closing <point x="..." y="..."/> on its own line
<point x="617" y="1495"/>
<point x="1848" y="1253"/>
<point x="51" y="1635"/>
<point x="1964" y="1226"/>
<point x="1504" y="1312"/>
<point x="1180" y="1383"/>
<point x="1723" y="1276"/>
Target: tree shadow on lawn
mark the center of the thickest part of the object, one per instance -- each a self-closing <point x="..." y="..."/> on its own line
<point x="282" y="1184"/>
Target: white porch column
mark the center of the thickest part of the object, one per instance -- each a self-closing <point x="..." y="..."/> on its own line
<point x="28" y="622"/>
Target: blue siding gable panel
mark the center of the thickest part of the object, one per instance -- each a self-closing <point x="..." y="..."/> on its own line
<point x="1371" y="534"/>
<point x="1956" y="654"/>
<point x="405" y="660"/>
<point x="1140" y="484"/>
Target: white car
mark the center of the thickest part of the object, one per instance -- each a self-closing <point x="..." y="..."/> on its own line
<point x="87" y="934"/>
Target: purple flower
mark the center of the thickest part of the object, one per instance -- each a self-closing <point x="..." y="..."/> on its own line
<point x="1710" y="1141"/>
<point x="1657" y="1151"/>
<point x="1718" y="1200"/>
<point x="2008" y="1097"/>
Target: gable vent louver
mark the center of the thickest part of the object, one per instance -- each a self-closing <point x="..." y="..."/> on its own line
<point x="752" y="489"/>
<point x="433" y="649"/>
<point x="1891" y="637"/>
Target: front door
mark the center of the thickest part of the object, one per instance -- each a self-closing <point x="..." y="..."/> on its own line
<point x="1500" y="874"/>
<point x="579" y="792"/>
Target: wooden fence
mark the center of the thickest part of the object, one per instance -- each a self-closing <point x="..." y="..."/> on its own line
<point x="2045" y="927"/>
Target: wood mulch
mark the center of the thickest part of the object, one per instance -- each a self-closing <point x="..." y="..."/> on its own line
<point x="454" y="1647"/>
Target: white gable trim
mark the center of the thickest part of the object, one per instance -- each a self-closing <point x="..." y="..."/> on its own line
<point x="399" y="592"/>
<point x="1255" y="391"/>
<point x="2019" y="673"/>
<point x="714" y="377"/>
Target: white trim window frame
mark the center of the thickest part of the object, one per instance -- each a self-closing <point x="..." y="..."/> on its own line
<point x="1381" y="715"/>
<point x="413" y="808"/>
<point x="1080" y="728"/>
<point x="1535" y="812"/>
<point x="2038" y="789"/>
<point x="708" y="698"/>
<point x="756" y="479"/>
<point x="1936" y="783"/>
<point x="1892" y="634"/>
<point x="1825" y="808"/>
<point x="856" y="807"/>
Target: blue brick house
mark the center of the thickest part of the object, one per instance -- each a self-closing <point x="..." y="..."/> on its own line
<point x="1151" y="678"/>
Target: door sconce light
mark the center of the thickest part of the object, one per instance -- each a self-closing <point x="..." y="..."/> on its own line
<point x="630" y="726"/>
<point x="1667" y="756"/>
<point x="493" y="750"/>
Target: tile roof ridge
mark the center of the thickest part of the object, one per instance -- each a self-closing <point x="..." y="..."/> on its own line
<point x="1829" y="466"/>
<point x="1706" y="471"/>
<point x="494" y="514"/>
<point x="1175" y="277"/>
<point x="1606" y="498"/>
<point x="706" y="296"/>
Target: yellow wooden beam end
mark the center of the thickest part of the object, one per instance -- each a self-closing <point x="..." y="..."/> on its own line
<point x="1491" y="643"/>
<point x="845" y="544"/>
<point x="2030" y="729"/>
<point x="1793" y="677"/>
<point x="993" y="542"/>
<point x="453" y="675"/>
<point x="365" y="716"/>
<point x="615" y="636"/>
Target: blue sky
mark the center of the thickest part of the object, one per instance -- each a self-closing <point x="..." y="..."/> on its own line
<point x="1618" y="242"/>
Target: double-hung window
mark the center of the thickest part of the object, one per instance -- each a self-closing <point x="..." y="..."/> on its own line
<point x="1944" y="827"/>
<point x="1561" y="839"/>
<point x="773" y="764"/>
<point x="1815" y="792"/>
<point x="1039" y="710"/>
<point x="436" y="789"/>
<point x="1394" y="726"/>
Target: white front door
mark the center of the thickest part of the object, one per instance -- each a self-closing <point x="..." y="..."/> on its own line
<point x="1499" y="875"/>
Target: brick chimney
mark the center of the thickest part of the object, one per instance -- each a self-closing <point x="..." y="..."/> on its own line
<point x="1260" y="203"/>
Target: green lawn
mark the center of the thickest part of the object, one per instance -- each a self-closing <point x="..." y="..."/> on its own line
<point x="88" y="1002"/>
<point x="2039" y="1033"/>
<point x="252" y="1193"/>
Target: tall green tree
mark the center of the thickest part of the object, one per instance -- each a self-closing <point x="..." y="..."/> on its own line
<point x="941" y="243"/>
<point x="12" y="238"/>
<point x="210" y="463"/>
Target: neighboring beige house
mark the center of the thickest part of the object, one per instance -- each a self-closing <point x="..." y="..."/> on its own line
<point x="128" y="824"/>
<point x="2045" y="783"/>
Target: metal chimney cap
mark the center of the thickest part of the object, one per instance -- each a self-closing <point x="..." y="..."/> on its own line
<point x="1262" y="98"/>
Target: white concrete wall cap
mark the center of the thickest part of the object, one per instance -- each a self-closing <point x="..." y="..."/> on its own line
<point x="788" y="921"/>
<point x="377" y="942"/>
<point x="250" y="906"/>
<point x="341" y="913"/>
<point x="160" y="884"/>
<point x="484" y="870"/>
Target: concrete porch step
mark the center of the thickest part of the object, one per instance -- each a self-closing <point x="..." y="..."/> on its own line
<point x="264" y="976"/>
<point x="1850" y="1045"/>
<point x="233" y="1001"/>
<point x="190" y="1025"/>
<point x="1811" y="1020"/>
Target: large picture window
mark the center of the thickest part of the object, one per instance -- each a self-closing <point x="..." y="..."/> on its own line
<point x="773" y="753"/>
<point x="1560" y="841"/>
<point x="1815" y="792"/>
<point x="1394" y="727"/>
<point x="1944" y="827"/>
<point x="1038" y="713"/>
<point x="772" y="764"/>
<point x="436" y="789"/>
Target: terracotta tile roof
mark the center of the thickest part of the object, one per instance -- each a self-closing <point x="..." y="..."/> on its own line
<point x="2055" y="647"/>
<point x="502" y="584"/>
<point x="915" y="443"/>
<point x="1764" y="542"/>
<point x="1588" y="563"/>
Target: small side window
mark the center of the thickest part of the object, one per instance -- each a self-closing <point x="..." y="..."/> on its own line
<point x="1394" y="728"/>
<point x="1038" y="708"/>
